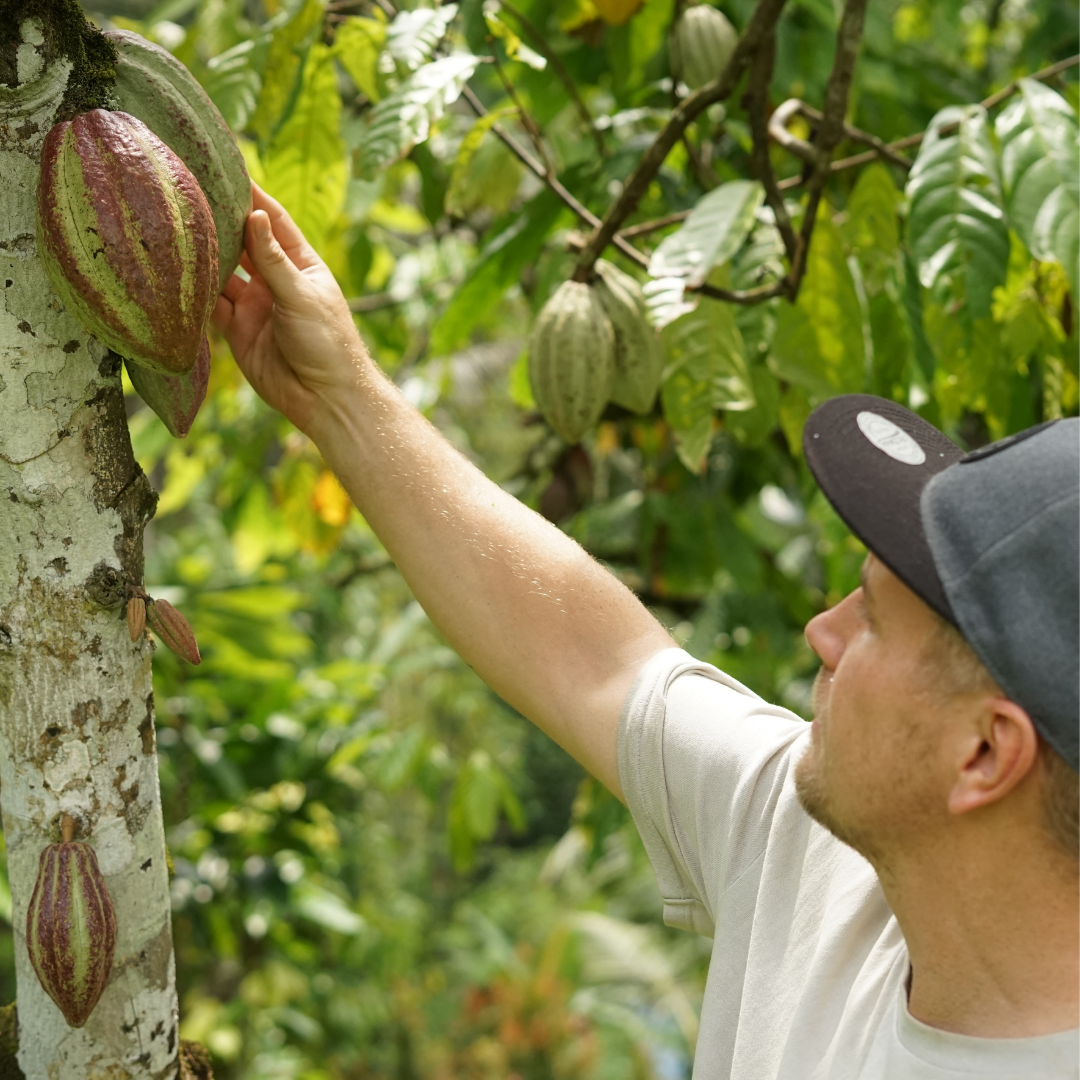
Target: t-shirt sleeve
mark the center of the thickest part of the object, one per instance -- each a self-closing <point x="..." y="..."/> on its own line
<point x="703" y="763"/>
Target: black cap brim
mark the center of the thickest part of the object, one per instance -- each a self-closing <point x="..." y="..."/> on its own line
<point x="872" y="458"/>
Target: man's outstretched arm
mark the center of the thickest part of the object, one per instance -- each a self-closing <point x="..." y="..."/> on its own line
<point x="550" y="630"/>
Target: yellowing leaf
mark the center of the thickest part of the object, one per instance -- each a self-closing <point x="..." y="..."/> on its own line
<point x="330" y="500"/>
<point x="617" y="12"/>
<point x="357" y="46"/>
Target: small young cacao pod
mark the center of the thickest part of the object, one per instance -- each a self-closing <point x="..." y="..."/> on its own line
<point x="127" y="239"/>
<point x="572" y="360"/>
<point x="154" y="86"/>
<point x="71" y="927"/>
<point x="701" y="45"/>
<point x="175" y="398"/>
<point x="173" y="629"/>
<point x="639" y="356"/>
<point x="136" y="617"/>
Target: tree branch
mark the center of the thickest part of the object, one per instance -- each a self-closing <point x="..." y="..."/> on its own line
<point x="765" y="15"/>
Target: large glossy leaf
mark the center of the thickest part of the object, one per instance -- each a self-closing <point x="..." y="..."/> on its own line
<point x="818" y="342"/>
<point x="1040" y="167"/>
<point x="956" y="226"/>
<point x="233" y="80"/>
<point x="414" y="35"/>
<point x="306" y="168"/>
<point x="706" y="370"/>
<point x="712" y="233"/>
<point x="404" y="118"/>
<point x="357" y="45"/>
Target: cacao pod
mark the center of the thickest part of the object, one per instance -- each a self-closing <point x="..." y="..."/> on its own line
<point x="639" y="357"/>
<point x="136" y="617"/>
<point x="127" y="238"/>
<point x="173" y="630"/>
<point x="175" y="398"/>
<point x="154" y="86"/>
<point x="71" y="927"/>
<point x="572" y="360"/>
<point x="702" y="42"/>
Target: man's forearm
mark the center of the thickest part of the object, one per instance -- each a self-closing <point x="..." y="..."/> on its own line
<point x="549" y="629"/>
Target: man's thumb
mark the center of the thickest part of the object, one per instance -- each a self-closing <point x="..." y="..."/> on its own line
<point x="269" y="258"/>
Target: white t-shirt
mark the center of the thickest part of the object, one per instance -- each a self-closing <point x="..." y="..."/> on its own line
<point x="808" y="969"/>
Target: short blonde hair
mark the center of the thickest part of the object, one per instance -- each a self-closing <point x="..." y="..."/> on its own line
<point x="961" y="672"/>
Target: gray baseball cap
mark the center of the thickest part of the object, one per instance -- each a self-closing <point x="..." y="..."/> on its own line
<point x="990" y="540"/>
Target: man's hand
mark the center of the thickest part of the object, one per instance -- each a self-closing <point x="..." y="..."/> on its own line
<point x="289" y="326"/>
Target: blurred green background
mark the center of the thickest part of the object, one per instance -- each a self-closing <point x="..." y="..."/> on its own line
<point x="380" y="870"/>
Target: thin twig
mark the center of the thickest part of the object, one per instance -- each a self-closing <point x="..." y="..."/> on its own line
<point x="561" y="74"/>
<point x="765" y="15"/>
<point x="527" y="122"/>
<point x="538" y="170"/>
<point x="757" y="104"/>
<point x="652" y="226"/>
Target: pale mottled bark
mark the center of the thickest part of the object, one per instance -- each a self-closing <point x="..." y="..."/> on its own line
<point x="76" y="709"/>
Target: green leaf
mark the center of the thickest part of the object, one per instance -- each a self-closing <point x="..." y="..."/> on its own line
<point x="872" y="227"/>
<point x="283" y="72"/>
<point x="912" y="299"/>
<point x="357" y="45"/>
<point x="404" y="118"/>
<point x="463" y="196"/>
<point x="413" y="36"/>
<point x="325" y="909"/>
<point x="1040" y="166"/>
<point x="706" y="370"/>
<point x="306" y="168"/>
<point x="233" y="80"/>
<point x="480" y="793"/>
<point x="512" y="43"/>
<point x="498" y="267"/>
<point x="714" y="231"/>
<point x="818" y="343"/>
<point x="956" y="224"/>
<point x="753" y="427"/>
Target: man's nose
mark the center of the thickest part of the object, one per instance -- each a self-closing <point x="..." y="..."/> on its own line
<point x="825" y="633"/>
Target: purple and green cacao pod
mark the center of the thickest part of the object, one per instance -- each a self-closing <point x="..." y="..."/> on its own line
<point x="128" y="239"/>
<point x="71" y="929"/>
<point x="175" y="398"/>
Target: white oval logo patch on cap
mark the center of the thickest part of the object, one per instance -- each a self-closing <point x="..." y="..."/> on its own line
<point x="890" y="439"/>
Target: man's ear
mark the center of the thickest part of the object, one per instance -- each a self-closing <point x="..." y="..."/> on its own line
<point x="999" y="754"/>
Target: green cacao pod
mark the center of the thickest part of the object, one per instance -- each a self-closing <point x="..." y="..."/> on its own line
<point x="127" y="238"/>
<point x="71" y="928"/>
<point x="572" y="360"/>
<point x="639" y="357"/>
<point x="701" y="45"/>
<point x="154" y="86"/>
<point x="175" y="398"/>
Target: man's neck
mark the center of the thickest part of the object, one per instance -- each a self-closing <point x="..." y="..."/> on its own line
<point x="993" y="932"/>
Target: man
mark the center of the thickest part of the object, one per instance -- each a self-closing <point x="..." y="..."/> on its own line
<point x="940" y="938"/>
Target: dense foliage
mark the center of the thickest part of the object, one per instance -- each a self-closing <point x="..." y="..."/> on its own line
<point x="379" y="869"/>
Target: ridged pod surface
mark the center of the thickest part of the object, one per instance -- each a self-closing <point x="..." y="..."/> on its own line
<point x="154" y="86"/>
<point x="701" y="45"/>
<point x="572" y="360"/>
<point x="71" y="929"/>
<point x="127" y="238"/>
<point x="639" y="356"/>
<point x="175" y="398"/>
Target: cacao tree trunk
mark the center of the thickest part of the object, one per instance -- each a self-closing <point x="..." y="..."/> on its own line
<point x="76" y="706"/>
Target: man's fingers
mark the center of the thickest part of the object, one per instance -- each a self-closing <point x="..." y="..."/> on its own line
<point x="233" y="288"/>
<point x="222" y="314"/>
<point x="269" y="259"/>
<point x="286" y="230"/>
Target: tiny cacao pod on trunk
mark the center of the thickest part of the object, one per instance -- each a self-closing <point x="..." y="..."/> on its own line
<point x="702" y="42"/>
<point x="136" y="617"/>
<point x="127" y="239"/>
<point x="572" y="360"/>
<point x="154" y="86"/>
<point x="175" y="398"/>
<point x="639" y="356"/>
<point x="173" y="630"/>
<point x="71" y="927"/>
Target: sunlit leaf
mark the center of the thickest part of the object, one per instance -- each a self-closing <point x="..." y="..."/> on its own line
<point x="515" y="49"/>
<point x="956" y="223"/>
<point x="713" y="232"/>
<point x="357" y="45"/>
<point x="462" y="195"/>
<point x="414" y="35"/>
<point x="325" y="908"/>
<point x="1040" y="166"/>
<point x="404" y="118"/>
<point x="234" y="80"/>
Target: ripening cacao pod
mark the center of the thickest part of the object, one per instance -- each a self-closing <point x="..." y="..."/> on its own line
<point x="71" y="927"/>
<point x="175" y="398"/>
<point x="173" y="630"/>
<point x="702" y="42"/>
<point x="572" y="360"/>
<point x="639" y="357"/>
<point x="154" y="86"/>
<point x="127" y="238"/>
<point x="136" y="617"/>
